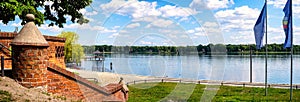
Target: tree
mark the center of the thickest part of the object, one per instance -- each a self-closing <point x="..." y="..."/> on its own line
<point x="55" y="13"/>
<point x="77" y="53"/>
<point x="73" y="52"/>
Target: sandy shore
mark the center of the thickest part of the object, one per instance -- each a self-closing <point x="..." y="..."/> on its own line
<point x="105" y="78"/>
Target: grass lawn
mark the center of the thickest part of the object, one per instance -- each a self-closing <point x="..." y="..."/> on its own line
<point x="158" y="91"/>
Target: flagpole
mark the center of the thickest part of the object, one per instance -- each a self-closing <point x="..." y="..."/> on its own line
<point x="291" y="80"/>
<point x="266" y="53"/>
<point x="250" y="64"/>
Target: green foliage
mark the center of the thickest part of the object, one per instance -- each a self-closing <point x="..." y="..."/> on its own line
<point x="55" y="13"/>
<point x="73" y="52"/>
<point x="200" y="49"/>
<point x="77" y="53"/>
<point x="226" y="93"/>
<point x="5" y="96"/>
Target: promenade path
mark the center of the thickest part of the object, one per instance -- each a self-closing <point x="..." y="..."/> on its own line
<point x="105" y="78"/>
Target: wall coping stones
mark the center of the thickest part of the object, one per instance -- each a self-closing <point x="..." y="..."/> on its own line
<point x="112" y="88"/>
<point x="7" y="35"/>
<point x="11" y="35"/>
<point x="54" y="38"/>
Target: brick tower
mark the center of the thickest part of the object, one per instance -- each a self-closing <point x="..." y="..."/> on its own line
<point x="30" y="56"/>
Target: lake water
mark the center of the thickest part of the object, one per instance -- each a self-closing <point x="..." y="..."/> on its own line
<point x="203" y="67"/>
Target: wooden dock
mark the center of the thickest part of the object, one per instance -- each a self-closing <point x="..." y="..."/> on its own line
<point x="94" y="58"/>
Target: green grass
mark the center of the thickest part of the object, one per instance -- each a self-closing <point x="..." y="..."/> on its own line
<point x="149" y="92"/>
<point x="5" y="96"/>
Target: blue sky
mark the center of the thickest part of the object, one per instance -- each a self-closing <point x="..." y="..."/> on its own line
<point x="174" y="22"/>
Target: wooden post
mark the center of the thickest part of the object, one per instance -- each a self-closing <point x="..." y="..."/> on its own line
<point x="2" y="66"/>
<point x="111" y="66"/>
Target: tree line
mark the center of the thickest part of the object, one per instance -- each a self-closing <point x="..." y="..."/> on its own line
<point x="200" y="49"/>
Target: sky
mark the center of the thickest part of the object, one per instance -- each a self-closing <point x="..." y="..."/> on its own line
<point x="174" y="22"/>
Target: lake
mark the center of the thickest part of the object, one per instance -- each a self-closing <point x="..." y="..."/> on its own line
<point x="203" y="67"/>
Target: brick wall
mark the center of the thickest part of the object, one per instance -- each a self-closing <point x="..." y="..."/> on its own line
<point x="44" y="66"/>
<point x="5" y="40"/>
<point x="63" y="82"/>
<point x="58" y="60"/>
<point x="7" y="37"/>
<point x="60" y="85"/>
<point x="30" y="65"/>
<point x="115" y="89"/>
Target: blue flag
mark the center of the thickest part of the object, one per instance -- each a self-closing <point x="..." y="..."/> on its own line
<point x="259" y="28"/>
<point x="287" y="25"/>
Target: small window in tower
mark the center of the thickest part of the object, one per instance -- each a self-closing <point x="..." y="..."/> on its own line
<point x="59" y="51"/>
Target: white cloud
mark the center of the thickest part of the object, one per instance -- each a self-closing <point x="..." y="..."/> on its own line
<point x="87" y="13"/>
<point x="210" y="29"/>
<point x="210" y="24"/>
<point x="16" y="24"/>
<point x="210" y="4"/>
<point x="113" y="5"/>
<point x="2" y="23"/>
<point x="48" y="2"/>
<point x="145" y="19"/>
<point x="215" y="4"/>
<point x="281" y="4"/>
<point x="207" y="29"/>
<point x="173" y="11"/>
<point x="238" y="19"/>
<point x="142" y="9"/>
<point x="190" y="31"/>
<point x="54" y="29"/>
<point x="133" y="25"/>
<point x="113" y="35"/>
<point x="89" y="27"/>
<point x="139" y="9"/>
<point x="116" y="27"/>
<point x="160" y="23"/>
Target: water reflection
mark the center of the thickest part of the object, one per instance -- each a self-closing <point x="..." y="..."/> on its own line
<point x="203" y="67"/>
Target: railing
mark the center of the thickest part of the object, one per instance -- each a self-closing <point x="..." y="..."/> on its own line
<point x="94" y="79"/>
<point x="207" y="82"/>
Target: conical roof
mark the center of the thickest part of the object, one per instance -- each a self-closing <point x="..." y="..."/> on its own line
<point x="30" y="35"/>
